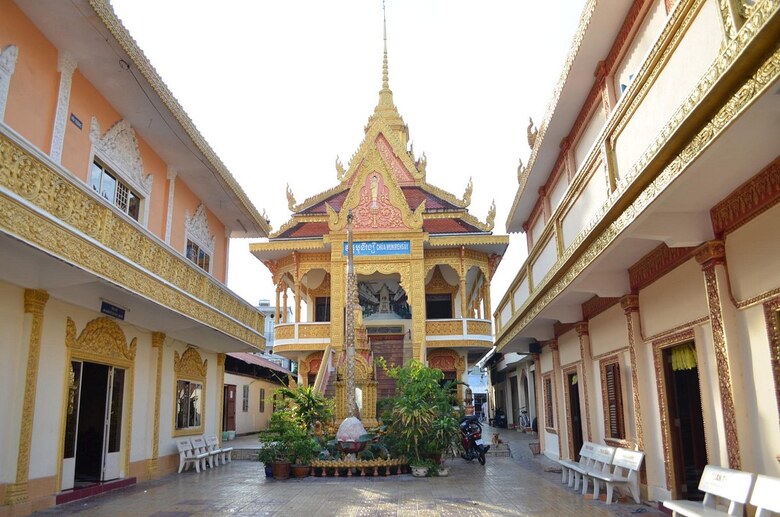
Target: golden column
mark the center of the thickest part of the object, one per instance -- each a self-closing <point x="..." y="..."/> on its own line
<point x="351" y="294"/>
<point x="630" y="305"/>
<point x="559" y="397"/>
<point x="725" y="339"/>
<point x="34" y="303"/>
<point x="220" y="395"/>
<point x="158" y="340"/>
<point x="587" y="368"/>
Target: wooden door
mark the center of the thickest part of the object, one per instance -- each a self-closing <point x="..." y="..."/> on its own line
<point x="229" y="414"/>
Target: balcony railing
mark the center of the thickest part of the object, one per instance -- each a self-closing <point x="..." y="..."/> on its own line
<point x="458" y="332"/>
<point x="290" y="335"/>
<point x="43" y="204"/>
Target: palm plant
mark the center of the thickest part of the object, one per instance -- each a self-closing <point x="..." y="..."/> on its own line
<point x="308" y="405"/>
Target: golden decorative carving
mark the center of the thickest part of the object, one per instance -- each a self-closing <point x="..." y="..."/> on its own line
<point x="460" y="343"/>
<point x="556" y="359"/>
<point x="567" y="402"/>
<point x="568" y="267"/>
<point x="655" y="264"/>
<point x="158" y="342"/>
<point x="290" y="199"/>
<point x="101" y="338"/>
<point x="313" y="330"/>
<point x="531" y="133"/>
<point x="711" y="253"/>
<point x="729" y="29"/>
<point x="660" y="380"/>
<point x="448" y="360"/>
<point x="340" y="172"/>
<point x="284" y="331"/>
<point x="630" y="304"/>
<point x="114" y="25"/>
<point x="34" y="303"/>
<point x="584" y="338"/>
<point x="438" y="284"/>
<point x="772" y="317"/>
<point x="444" y="328"/>
<point x="520" y="170"/>
<point x="467" y="193"/>
<point x="759" y="193"/>
<point x="190" y="365"/>
<point x="195" y="294"/>
<point x="220" y="399"/>
<point x="714" y="301"/>
<point x="480" y="328"/>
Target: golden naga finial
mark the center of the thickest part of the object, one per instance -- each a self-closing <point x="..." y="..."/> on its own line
<point x="532" y="132"/>
<point x="422" y="163"/>
<point x="520" y="171"/>
<point x="467" y="194"/>
<point x="290" y="199"/>
<point x="265" y="217"/>
<point x="491" y="217"/>
<point x="340" y="172"/>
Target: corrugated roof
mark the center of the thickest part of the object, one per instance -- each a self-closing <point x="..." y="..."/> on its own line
<point x="258" y="360"/>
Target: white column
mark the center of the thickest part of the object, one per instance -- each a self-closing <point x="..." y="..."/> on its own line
<point x="169" y="217"/>
<point x="66" y="65"/>
<point x="7" y="66"/>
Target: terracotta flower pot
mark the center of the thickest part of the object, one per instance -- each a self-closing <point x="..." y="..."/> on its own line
<point x="280" y="469"/>
<point x="300" y="471"/>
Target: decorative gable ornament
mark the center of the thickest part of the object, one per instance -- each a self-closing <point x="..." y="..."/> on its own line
<point x="119" y="147"/>
<point x="198" y="228"/>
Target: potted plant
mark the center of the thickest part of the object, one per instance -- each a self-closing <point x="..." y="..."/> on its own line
<point x="282" y="431"/>
<point x="303" y="450"/>
<point x="423" y="425"/>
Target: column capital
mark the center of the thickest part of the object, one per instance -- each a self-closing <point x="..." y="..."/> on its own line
<point x="630" y="303"/>
<point x="158" y="339"/>
<point x="221" y="359"/>
<point x="710" y="254"/>
<point x="171" y="173"/>
<point x="35" y="300"/>
<point x="66" y="63"/>
<point x="581" y="328"/>
<point x="553" y="344"/>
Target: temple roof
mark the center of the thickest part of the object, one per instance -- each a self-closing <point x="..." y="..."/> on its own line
<point x="384" y="185"/>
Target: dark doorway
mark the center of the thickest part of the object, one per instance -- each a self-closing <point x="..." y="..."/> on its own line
<point x="229" y="403"/>
<point x="515" y="400"/>
<point x="322" y="308"/>
<point x="686" y="428"/>
<point x="575" y="420"/>
<point x="91" y="423"/>
<point x="438" y="306"/>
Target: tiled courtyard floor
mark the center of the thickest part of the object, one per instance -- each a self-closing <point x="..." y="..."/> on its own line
<point x="516" y="485"/>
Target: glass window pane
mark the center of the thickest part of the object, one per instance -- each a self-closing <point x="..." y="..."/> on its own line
<point x="182" y="403"/>
<point x="133" y="205"/>
<point x="196" y="391"/>
<point x="108" y="187"/>
<point x="95" y="174"/>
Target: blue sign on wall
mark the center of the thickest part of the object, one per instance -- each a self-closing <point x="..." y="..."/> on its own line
<point x="379" y="248"/>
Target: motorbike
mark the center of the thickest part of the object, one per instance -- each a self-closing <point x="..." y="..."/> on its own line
<point x="471" y="439"/>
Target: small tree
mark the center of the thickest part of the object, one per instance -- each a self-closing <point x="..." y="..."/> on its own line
<point x="308" y="405"/>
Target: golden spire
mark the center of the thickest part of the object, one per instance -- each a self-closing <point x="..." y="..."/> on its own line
<point x="386" y="109"/>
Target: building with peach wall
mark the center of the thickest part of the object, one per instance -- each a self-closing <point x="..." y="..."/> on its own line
<point x="647" y="313"/>
<point x="115" y="218"/>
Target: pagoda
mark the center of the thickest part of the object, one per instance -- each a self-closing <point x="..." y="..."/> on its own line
<point x="423" y="265"/>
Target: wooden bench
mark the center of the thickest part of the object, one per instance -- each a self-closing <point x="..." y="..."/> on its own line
<point x="216" y="452"/>
<point x="601" y="461"/>
<point x="717" y="482"/>
<point x="189" y="455"/>
<point x="766" y="496"/>
<point x="585" y="461"/>
<point x="626" y="464"/>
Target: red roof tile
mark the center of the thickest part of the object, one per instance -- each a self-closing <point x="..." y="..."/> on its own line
<point x="448" y="226"/>
<point x="307" y="230"/>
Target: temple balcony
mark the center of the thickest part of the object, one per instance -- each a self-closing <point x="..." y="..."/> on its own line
<point x="57" y="234"/>
<point x="457" y="332"/>
<point x="296" y="336"/>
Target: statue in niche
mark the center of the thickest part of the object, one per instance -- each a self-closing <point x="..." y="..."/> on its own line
<point x="374" y="191"/>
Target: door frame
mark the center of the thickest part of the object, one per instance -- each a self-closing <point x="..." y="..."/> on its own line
<point x="670" y="467"/>
<point x="566" y="373"/>
<point x="102" y="341"/>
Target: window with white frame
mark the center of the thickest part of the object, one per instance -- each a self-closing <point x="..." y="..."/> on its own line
<point x="199" y="243"/>
<point x="262" y="400"/>
<point x="106" y="182"/>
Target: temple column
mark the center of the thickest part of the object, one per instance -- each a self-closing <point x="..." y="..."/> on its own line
<point x="278" y="314"/>
<point x="630" y="304"/>
<point x="32" y="330"/>
<point x="587" y="369"/>
<point x="725" y="341"/>
<point x="220" y="396"/>
<point x="538" y="395"/>
<point x="66" y="65"/>
<point x="158" y="340"/>
<point x="297" y="301"/>
<point x="284" y="308"/>
<point x="558" y="395"/>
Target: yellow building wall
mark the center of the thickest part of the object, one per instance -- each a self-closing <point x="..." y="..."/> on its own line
<point x="32" y="94"/>
<point x="676" y="298"/>
<point x="752" y="252"/>
<point x="12" y="370"/>
<point x="608" y="331"/>
<point x="569" y="348"/>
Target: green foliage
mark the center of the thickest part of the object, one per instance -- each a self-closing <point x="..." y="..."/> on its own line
<point x="308" y="405"/>
<point x="422" y="412"/>
<point x="287" y="439"/>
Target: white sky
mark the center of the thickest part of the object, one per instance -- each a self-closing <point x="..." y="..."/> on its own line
<point x="280" y="88"/>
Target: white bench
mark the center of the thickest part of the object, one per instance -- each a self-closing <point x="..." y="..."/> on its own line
<point x="216" y="452"/>
<point x="200" y="447"/>
<point x="189" y="455"/>
<point x="568" y="474"/>
<point x="731" y="485"/>
<point x="766" y="496"/>
<point x="601" y="460"/>
<point x="626" y="465"/>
